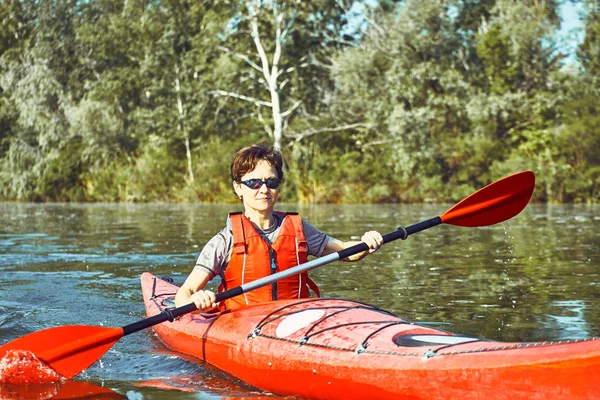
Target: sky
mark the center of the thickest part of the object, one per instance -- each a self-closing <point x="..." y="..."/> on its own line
<point x="571" y="30"/>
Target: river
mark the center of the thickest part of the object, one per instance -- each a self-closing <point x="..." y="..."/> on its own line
<point x="533" y="278"/>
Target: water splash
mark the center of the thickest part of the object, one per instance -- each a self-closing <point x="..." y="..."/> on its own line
<point x="23" y="367"/>
<point x="509" y="240"/>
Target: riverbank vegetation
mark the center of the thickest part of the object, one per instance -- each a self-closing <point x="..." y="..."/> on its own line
<point x="408" y="101"/>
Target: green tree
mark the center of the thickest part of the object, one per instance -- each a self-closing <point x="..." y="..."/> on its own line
<point x="589" y="50"/>
<point x="411" y="74"/>
<point x="580" y="132"/>
<point x="179" y="70"/>
<point x="35" y="84"/>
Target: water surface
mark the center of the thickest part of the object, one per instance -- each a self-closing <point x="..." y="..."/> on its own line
<point x="533" y="278"/>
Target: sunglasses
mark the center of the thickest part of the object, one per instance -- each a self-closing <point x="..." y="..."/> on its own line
<point x="272" y="183"/>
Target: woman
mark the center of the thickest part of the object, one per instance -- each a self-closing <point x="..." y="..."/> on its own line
<point x="261" y="241"/>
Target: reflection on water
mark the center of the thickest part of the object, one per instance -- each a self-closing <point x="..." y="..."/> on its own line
<point x="532" y="278"/>
<point x="569" y="319"/>
<point x="60" y="390"/>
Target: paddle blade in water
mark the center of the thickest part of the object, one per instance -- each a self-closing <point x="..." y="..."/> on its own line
<point x="494" y="203"/>
<point x="67" y="350"/>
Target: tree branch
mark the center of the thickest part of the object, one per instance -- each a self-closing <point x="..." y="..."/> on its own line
<point x="291" y="109"/>
<point x="241" y="97"/>
<point x="259" y="47"/>
<point x="242" y="57"/>
<point x="299" y="136"/>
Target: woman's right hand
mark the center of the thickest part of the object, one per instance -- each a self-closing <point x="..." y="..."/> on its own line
<point x="191" y="291"/>
<point x="204" y="299"/>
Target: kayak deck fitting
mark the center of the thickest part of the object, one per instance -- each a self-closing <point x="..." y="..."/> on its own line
<point x="334" y="349"/>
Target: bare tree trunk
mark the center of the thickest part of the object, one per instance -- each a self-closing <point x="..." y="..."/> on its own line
<point x="182" y="127"/>
<point x="277" y="120"/>
<point x="270" y="72"/>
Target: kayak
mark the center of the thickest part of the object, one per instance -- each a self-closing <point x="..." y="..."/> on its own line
<point x="341" y="349"/>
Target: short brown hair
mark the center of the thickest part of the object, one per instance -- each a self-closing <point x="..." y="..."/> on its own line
<point x="246" y="159"/>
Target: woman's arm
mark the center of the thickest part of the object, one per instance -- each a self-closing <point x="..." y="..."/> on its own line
<point x="373" y="239"/>
<point x="208" y="265"/>
<point x="192" y="291"/>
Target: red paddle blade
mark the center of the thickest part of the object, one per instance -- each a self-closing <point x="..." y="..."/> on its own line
<point x="68" y="350"/>
<point x="494" y="203"/>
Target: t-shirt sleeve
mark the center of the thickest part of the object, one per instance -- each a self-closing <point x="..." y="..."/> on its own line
<point x="315" y="239"/>
<point x="216" y="254"/>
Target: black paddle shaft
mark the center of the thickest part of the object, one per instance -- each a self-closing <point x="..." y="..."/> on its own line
<point x="400" y="233"/>
<point x="170" y="314"/>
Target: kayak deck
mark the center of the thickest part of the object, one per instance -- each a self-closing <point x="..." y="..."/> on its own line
<point x="329" y="348"/>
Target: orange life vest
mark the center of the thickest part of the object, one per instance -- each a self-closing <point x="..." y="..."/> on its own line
<point x="252" y="258"/>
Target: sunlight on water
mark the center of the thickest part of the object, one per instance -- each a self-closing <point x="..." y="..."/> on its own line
<point x="569" y="319"/>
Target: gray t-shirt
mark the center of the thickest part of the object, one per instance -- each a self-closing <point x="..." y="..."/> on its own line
<point x="215" y="256"/>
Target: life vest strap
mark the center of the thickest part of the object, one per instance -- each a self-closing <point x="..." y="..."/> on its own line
<point x="313" y="286"/>
<point x="237" y="228"/>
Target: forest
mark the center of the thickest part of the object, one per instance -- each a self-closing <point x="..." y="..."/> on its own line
<point x="374" y="101"/>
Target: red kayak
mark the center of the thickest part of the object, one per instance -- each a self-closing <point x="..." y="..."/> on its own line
<point x="340" y="349"/>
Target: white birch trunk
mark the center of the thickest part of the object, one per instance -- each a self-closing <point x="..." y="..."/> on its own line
<point x="182" y="127"/>
<point x="269" y="69"/>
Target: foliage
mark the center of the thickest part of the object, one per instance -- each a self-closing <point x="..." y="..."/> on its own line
<point x="400" y="101"/>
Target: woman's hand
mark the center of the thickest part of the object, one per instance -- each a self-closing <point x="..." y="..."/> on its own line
<point x="191" y="290"/>
<point x="373" y="239"/>
<point x="204" y="299"/>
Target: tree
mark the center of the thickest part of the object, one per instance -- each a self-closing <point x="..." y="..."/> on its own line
<point x="447" y="88"/>
<point x="580" y="134"/>
<point x="521" y="97"/>
<point x="290" y="41"/>
<point x="417" y="107"/>
<point x="176" y="69"/>
<point x="589" y="50"/>
<point x="35" y="84"/>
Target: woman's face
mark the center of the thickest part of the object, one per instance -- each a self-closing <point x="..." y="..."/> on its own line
<point x="262" y="199"/>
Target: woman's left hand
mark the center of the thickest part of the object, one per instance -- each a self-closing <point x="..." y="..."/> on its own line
<point x="373" y="239"/>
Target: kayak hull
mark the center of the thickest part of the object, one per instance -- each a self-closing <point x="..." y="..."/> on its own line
<point x="332" y="349"/>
